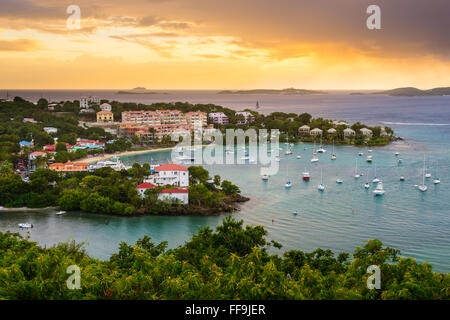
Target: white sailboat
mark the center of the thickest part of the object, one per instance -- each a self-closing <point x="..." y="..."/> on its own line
<point x="356" y="175"/>
<point x="375" y="178"/>
<point x="436" y="180"/>
<point x="265" y="177"/>
<point x="333" y="156"/>
<point x="379" y="191"/>
<point x="321" y="148"/>
<point x="288" y="182"/>
<point x="423" y="187"/>
<point x="367" y="185"/>
<point x="321" y="186"/>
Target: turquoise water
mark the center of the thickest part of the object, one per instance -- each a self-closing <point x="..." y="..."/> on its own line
<point x="340" y="218"/>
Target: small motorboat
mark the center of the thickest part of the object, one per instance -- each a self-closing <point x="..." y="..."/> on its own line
<point x="375" y="180"/>
<point x="295" y="213"/>
<point x="397" y="154"/>
<point x="361" y="154"/>
<point x="321" y="150"/>
<point x="333" y="157"/>
<point x="436" y="181"/>
<point x="288" y="151"/>
<point x="339" y="181"/>
<point x="265" y="177"/>
<point x="60" y="213"/>
<point x="369" y="158"/>
<point x="25" y="225"/>
<point x="299" y="157"/>
<point x="321" y="187"/>
<point x="314" y="159"/>
<point x="428" y="175"/>
<point x="402" y="178"/>
<point x="288" y="184"/>
<point x="306" y="175"/>
<point x="369" y="151"/>
<point x="366" y="185"/>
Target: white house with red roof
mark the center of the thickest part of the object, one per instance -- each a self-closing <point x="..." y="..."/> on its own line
<point x="170" y="174"/>
<point x="144" y="187"/>
<point x="182" y="195"/>
<point x="36" y="154"/>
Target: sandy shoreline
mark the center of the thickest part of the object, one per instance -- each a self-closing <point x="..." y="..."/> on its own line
<point x="25" y="209"/>
<point x="120" y="154"/>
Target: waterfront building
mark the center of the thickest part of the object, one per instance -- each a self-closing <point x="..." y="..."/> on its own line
<point x="248" y="117"/>
<point x="105" y="116"/>
<point x="316" y="132"/>
<point x="218" y="117"/>
<point x="88" y="144"/>
<point x="144" y="187"/>
<point x="367" y="133"/>
<point x="181" y="195"/>
<point x="69" y="166"/>
<point x="304" y="130"/>
<point x="105" y="107"/>
<point x="331" y="131"/>
<point x="170" y="174"/>
<point x="348" y="133"/>
<point x="197" y="119"/>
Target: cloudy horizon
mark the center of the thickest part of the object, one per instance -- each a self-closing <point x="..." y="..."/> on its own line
<point x="204" y="44"/>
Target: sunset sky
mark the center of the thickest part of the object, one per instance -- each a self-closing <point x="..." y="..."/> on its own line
<point x="232" y="44"/>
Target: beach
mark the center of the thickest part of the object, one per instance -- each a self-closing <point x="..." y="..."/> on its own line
<point x="104" y="157"/>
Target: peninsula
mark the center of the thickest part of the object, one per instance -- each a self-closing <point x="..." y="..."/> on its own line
<point x="288" y="91"/>
<point x="411" y="92"/>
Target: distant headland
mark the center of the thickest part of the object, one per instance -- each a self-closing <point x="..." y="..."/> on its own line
<point x="411" y="91"/>
<point x="290" y="91"/>
<point x="139" y="90"/>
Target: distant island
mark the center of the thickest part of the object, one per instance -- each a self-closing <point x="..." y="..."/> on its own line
<point x="411" y="91"/>
<point x="273" y="91"/>
<point x="139" y="90"/>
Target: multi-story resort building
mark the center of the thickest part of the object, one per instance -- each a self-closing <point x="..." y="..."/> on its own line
<point x="219" y="118"/>
<point x="105" y="116"/>
<point x="84" y="102"/>
<point x="142" y="117"/>
<point x="172" y="117"/>
<point x="69" y="166"/>
<point x="197" y="119"/>
<point x="248" y="117"/>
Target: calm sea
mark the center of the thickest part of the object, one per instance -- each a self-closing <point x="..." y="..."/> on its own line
<point x="340" y="218"/>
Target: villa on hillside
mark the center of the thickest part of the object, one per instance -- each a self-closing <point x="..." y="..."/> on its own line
<point x="367" y="133"/>
<point x="348" y="133"/>
<point x="105" y="107"/>
<point x="316" y="132"/>
<point x="105" y="116"/>
<point x="218" y="117"/>
<point x="304" y="130"/>
<point x="248" y="117"/>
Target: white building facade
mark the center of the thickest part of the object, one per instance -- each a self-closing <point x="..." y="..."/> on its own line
<point x="170" y="174"/>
